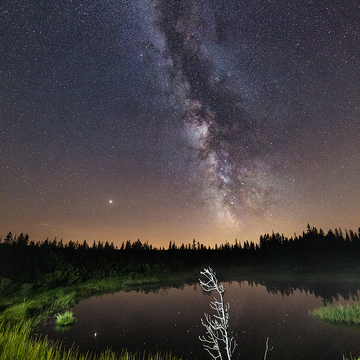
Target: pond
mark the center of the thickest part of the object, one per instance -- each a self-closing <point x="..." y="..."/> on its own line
<point x="169" y="319"/>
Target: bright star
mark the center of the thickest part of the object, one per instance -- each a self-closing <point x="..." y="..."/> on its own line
<point x="110" y="201"/>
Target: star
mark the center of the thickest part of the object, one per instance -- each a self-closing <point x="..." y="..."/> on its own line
<point x="198" y="124"/>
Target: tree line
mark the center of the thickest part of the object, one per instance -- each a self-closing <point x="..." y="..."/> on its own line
<point x="51" y="263"/>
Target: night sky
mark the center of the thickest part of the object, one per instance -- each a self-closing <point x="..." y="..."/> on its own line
<point x="179" y="120"/>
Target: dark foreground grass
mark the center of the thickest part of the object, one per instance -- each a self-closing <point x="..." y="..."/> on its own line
<point x="349" y="314"/>
<point x="16" y="344"/>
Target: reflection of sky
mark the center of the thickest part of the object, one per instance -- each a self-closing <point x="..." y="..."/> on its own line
<point x="169" y="320"/>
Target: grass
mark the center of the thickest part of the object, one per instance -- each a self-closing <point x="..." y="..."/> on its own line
<point x="65" y="319"/>
<point x="21" y="315"/>
<point x="44" y="303"/>
<point x="16" y="344"/>
<point x="40" y="307"/>
<point x="339" y="314"/>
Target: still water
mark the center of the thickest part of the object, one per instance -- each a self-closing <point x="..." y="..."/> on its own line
<point x="168" y="319"/>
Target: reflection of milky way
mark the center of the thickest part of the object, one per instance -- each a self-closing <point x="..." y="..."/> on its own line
<point x="230" y="146"/>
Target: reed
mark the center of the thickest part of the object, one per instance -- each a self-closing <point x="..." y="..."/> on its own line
<point x="16" y="344"/>
<point x="340" y="314"/>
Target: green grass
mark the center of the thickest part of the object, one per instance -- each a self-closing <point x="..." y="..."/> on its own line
<point x="21" y="315"/>
<point x="44" y="303"/>
<point x="340" y="314"/>
<point x="65" y="319"/>
<point x="16" y="344"/>
<point x="40" y="307"/>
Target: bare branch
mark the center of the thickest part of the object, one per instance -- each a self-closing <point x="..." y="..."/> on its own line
<point x="216" y="329"/>
<point x="267" y="348"/>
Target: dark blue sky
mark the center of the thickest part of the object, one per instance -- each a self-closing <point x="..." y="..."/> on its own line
<point x="211" y="120"/>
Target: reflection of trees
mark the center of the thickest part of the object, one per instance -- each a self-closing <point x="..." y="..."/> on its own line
<point x="159" y="288"/>
<point x="327" y="291"/>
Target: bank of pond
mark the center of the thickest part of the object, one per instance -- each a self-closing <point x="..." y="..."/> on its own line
<point x="146" y="317"/>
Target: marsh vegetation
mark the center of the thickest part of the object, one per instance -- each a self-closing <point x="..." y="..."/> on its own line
<point x="347" y="314"/>
<point x="65" y="319"/>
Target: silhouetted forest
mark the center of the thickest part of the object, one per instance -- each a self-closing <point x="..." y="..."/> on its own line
<point x="52" y="263"/>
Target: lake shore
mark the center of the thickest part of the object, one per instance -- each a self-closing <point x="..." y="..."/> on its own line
<point x="44" y="303"/>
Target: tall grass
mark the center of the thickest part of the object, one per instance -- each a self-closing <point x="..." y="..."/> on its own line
<point x="16" y="344"/>
<point x="340" y="314"/>
<point x="40" y="307"/>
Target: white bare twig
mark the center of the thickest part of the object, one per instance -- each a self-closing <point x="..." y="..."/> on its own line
<point x="217" y="328"/>
<point x="267" y="348"/>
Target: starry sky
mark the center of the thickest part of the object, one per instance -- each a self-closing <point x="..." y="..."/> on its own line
<point x="179" y="120"/>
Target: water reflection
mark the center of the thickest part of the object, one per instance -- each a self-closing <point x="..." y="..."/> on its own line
<point x="167" y="319"/>
<point x="327" y="291"/>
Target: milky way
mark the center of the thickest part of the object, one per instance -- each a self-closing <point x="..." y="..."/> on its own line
<point x="205" y="119"/>
<point x="231" y="154"/>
